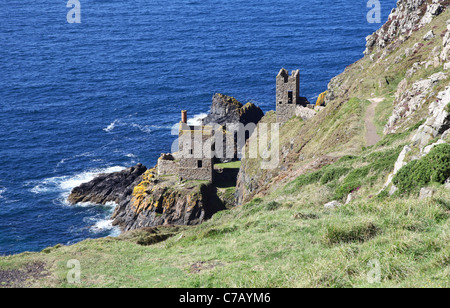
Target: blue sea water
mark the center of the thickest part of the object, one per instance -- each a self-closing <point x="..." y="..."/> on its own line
<point x="79" y="99"/>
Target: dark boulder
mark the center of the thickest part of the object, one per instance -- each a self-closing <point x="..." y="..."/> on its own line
<point x="226" y="110"/>
<point x="112" y="187"/>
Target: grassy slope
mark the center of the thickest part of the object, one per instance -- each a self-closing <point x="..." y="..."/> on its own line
<point x="272" y="244"/>
<point x="288" y="238"/>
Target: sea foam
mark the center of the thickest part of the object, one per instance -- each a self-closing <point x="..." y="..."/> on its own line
<point x="65" y="184"/>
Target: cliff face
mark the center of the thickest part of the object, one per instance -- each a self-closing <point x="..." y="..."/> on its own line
<point x="409" y="16"/>
<point x="164" y="202"/>
<point x="113" y="187"/>
<point x="226" y="110"/>
<point x="404" y="70"/>
<point x="146" y="201"/>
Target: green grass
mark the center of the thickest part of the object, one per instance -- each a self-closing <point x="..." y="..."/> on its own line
<point x="230" y="165"/>
<point x="349" y="173"/>
<point x="270" y="244"/>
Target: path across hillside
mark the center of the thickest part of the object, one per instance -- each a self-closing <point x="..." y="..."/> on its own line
<point x="372" y="137"/>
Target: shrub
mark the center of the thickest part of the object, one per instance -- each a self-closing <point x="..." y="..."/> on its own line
<point x="213" y="233"/>
<point x="385" y="161"/>
<point x="352" y="182"/>
<point x="251" y="204"/>
<point x="337" y="234"/>
<point x="382" y="195"/>
<point x="272" y="206"/>
<point x="433" y="168"/>
<point x="332" y="174"/>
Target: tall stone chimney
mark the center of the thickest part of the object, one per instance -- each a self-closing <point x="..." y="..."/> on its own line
<point x="183" y="116"/>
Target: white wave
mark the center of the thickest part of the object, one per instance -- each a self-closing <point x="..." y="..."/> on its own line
<point x="143" y="128"/>
<point x="68" y="183"/>
<point x="105" y="224"/>
<point x="111" y="126"/>
<point x="102" y="225"/>
<point x="197" y="119"/>
<point x="64" y="184"/>
<point x="2" y="191"/>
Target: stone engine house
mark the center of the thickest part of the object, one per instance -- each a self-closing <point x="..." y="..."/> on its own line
<point x="195" y="151"/>
<point x="288" y="95"/>
<point x="194" y="159"/>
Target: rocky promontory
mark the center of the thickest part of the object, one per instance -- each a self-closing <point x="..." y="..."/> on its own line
<point x="145" y="200"/>
<point x="165" y="201"/>
<point x="113" y="187"/>
<point x="226" y="109"/>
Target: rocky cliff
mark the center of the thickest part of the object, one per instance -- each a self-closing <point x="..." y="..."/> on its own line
<point x="228" y="113"/>
<point x="408" y="17"/>
<point x="143" y="200"/>
<point x="112" y="187"/>
<point x="165" y="201"/>
<point x="226" y="109"/>
<point x="403" y="76"/>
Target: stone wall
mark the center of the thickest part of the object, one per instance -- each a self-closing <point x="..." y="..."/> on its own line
<point x="195" y="152"/>
<point x="190" y="170"/>
<point x="167" y="167"/>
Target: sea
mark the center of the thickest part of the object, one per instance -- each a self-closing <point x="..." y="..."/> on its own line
<point x="79" y="99"/>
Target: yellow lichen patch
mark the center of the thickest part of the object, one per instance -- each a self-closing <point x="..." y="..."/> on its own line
<point x="230" y="100"/>
<point x="321" y="99"/>
<point x="140" y="191"/>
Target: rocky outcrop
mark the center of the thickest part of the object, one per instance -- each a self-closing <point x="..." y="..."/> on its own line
<point x="445" y="54"/>
<point x="145" y="200"/>
<point x="407" y="17"/>
<point x="229" y="114"/>
<point x="112" y="187"/>
<point x="166" y="202"/>
<point x="333" y="204"/>
<point x="305" y="113"/>
<point x="409" y="101"/>
<point x="438" y="121"/>
<point x="226" y="109"/>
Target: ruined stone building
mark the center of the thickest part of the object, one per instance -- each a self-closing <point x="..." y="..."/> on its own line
<point x="288" y="95"/>
<point x="194" y="159"/>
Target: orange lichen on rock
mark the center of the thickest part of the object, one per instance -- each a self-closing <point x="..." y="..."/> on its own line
<point x="321" y="99"/>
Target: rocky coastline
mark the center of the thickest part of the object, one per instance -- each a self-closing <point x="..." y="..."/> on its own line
<point x="144" y="199"/>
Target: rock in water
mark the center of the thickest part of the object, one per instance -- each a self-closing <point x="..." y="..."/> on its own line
<point x="145" y="200"/>
<point x="113" y="187"/>
<point x="227" y="110"/>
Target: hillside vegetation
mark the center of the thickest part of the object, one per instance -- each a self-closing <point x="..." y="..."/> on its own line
<point x="379" y="230"/>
